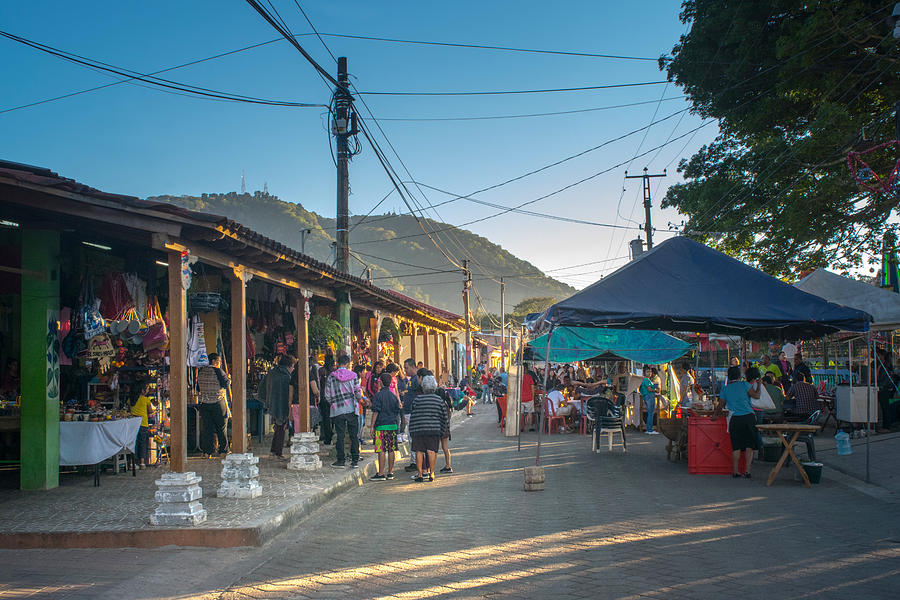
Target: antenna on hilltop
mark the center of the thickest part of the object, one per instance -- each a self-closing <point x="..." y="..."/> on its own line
<point x="243" y="183"/>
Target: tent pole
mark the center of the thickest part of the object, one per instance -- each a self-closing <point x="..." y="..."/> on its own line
<point x="712" y="365"/>
<point x="537" y="461"/>
<point x="869" y="397"/>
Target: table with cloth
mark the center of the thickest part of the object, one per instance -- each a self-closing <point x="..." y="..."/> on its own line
<point x="90" y="443"/>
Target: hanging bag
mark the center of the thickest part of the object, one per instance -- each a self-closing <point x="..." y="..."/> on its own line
<point x="91" y="320"/>
<point x="157" y="335"/>
<point x="764" y="402"/>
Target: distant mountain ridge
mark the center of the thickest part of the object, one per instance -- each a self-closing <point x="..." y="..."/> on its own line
<point x="397" y="248"/>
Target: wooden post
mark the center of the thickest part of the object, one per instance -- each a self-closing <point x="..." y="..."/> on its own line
<point x="397" y="339"/>
<point x="412" y="343"/>
<point x="238" y="362"/>
<point x="426" y="347"/>
<point x="437" y="354"/>
<point x="177" y="366"/>
<point x="302" y="369"/>
<point x="373" y="336"/>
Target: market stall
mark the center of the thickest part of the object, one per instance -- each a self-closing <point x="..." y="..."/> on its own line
<point x="705" y="291"/>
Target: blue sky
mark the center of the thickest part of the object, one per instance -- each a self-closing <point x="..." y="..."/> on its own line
<point x="133" y="140"/>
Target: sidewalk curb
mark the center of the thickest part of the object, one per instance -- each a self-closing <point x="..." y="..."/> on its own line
<point x="839" y="475"/>
<point x="278" y="520"/>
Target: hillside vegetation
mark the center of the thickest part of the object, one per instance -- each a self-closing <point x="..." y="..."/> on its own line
<point x="390" y="249"/>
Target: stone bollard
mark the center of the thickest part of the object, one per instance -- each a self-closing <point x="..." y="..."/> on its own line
<point x="304" y="452"/>
<point x="534" y="479"/>
<point x="240" y="477"/>
<point x="179" y="496"/>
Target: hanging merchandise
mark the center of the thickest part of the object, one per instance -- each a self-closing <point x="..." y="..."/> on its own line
<point x="306" y="312"/>
<point x="137" y="289"/>
<point x="91" y="319"/>
<point x="197" y="356"/>
<point x="101" y="349"/>
<point x="65" y="328"/>
<point x="185" y="269"/>
<point x="157" y="335"/>
<point x="115" y="300"/>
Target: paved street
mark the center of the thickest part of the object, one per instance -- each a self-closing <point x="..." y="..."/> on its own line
<point x="607" y="526"/>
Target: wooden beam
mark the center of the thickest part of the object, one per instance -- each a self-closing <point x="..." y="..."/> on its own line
<point x="238" y="362"/>
<point x="220" y="259"/>
<point x="426" y="349"/>
<point x="373" y="336"/>
<point x="177" y="365"/>
<point x="108" y="211"/>
<point x="303" y="363"/>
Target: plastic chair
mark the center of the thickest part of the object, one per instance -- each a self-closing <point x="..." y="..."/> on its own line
<point x="551" y="416"/>
<point x="608" y="422"/>
<point x="587" y="423"/>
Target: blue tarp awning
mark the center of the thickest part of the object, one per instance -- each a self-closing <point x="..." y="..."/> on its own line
<point x="571" y="344"/>
<point x="682" y="285"/>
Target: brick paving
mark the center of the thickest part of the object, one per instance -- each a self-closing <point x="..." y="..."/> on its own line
<point x="608" y="526"/>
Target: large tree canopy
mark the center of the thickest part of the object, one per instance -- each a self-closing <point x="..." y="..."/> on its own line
<point x="794" y="86"/>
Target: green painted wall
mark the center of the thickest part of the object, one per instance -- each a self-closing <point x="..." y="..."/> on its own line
<point x="40" y="360"/>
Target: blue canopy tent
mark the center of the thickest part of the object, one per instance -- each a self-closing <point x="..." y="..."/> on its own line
<point x="682" y="285"/>
<point x="571" y="344"/>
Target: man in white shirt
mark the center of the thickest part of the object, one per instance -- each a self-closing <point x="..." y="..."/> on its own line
<point x="555" y="399"/>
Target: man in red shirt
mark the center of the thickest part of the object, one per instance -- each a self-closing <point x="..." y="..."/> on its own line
<point x="528" y="398"/>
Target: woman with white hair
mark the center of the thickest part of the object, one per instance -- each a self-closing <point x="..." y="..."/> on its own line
<point x="426" y="425"/>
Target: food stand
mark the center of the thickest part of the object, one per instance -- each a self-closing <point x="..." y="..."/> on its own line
<point x="706" y="292"/>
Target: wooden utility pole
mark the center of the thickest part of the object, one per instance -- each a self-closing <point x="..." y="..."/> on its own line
<point x="466" y="285"/>
<point x="502" y="324"/>
<point x="648" y="227"/>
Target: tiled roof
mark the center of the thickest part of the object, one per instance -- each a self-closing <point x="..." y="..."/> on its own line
<point x="41" y="177"/>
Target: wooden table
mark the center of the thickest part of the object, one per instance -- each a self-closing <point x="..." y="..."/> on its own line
<point x="782" y="429"/>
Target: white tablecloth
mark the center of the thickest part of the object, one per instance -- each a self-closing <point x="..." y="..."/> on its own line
<point x="86" y="443"/>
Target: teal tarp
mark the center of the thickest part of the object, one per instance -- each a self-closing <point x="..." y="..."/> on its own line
<point x="570" y="344"/>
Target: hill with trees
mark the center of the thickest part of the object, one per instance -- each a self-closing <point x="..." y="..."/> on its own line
<point x="400" y="255"/>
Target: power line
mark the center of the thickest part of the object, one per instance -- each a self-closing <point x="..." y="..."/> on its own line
<point x="526" y="115"/>
<point x="551" y="165"/>
<point x="486" y="47"/>
<point x="150" y="79"/>
<point x="505" y="92"/>
<point x="286" y="33"/>
<point x="545" y="196"/>
<point x="527" y="212"/>
<point x="129" y="79"/>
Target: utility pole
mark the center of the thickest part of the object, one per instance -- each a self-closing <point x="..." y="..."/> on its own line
<point x="648" y="228"/>
<point x="342" y="129"/>
<point x="466" y="285"/>
<point x="502" y="324"/>
<point x="303" y="234"/>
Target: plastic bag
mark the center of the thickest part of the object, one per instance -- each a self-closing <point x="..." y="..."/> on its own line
<point x="764" y="402"/>
<point x="92" y="321"/>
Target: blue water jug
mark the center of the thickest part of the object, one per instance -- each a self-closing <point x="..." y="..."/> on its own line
<point x="843" y="443"/>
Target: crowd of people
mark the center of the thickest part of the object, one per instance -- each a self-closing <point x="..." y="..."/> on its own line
<point x="377" y="404"/>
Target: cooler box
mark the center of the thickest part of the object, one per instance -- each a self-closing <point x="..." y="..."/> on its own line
<point x="709" y="447"/>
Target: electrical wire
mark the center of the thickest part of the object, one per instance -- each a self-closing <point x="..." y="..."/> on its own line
<point x="527" y="115"/>
<point x="545" y="196"/>
<point x="506" y="92"/>
<point x="485" y="47"/>
<point x="291" y="38"/>
<point x="553" y="164"/>
<point x="149" y="79"/>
